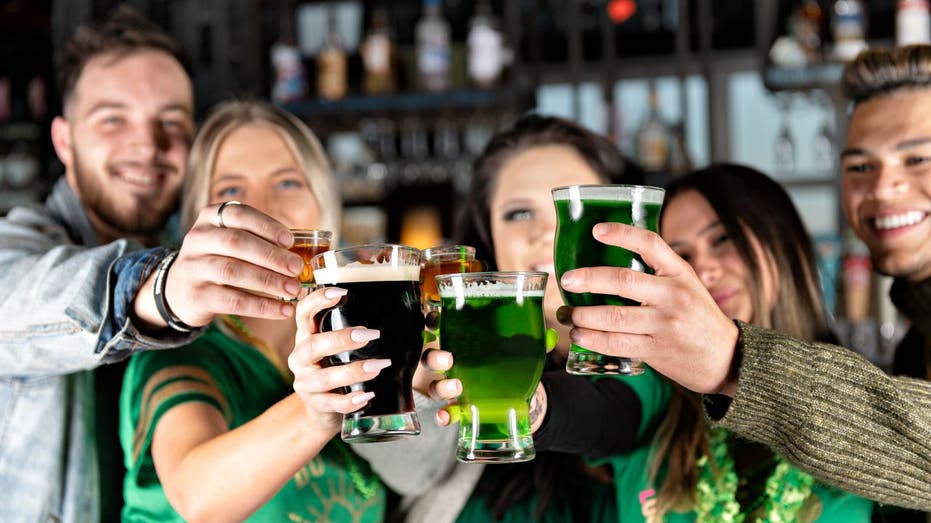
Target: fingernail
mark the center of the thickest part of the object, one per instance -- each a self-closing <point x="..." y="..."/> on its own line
<point x="296" y="264"/>
<point x="375" y="365"/>
<point x="362" y="399"/>
<point x="568" y="279"/>
<point x="285" y="239"/>
<point x="445" y="359"/>
<point x="292" y="287"/>
<point x="287" y="310"/>
<point x="453" y="387"/>
<point x="575" y="336"/>
<point x="600" y="229"/>
<point x="362" y="334"/>
<point x="334" y="292"/>
<point x="564" y="315"/>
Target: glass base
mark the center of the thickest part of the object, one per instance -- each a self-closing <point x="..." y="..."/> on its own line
<point x="496" y="451"/>
<point x="586" y="363"/>
<point x="373" y="429"/>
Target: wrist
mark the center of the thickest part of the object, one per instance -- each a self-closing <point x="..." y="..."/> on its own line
<point x="728" y="386"/>
<point x="161" y="301"/>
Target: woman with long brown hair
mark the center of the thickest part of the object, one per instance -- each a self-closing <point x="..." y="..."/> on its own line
<point x="741" y="234"/>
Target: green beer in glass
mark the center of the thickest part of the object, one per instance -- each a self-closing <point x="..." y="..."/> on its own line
<point x="492" y="323"/>
<point x="578" y="209"/>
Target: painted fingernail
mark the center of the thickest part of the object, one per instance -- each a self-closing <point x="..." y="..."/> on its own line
<point x="285" y="239"/>
<point x="564" y="315"/>
<point x="334" y="292"/>
<point x="362" y="334"/>
<point x="362" y="399"/>
<point x="600" y="229"/>
<point x="375" y="365"/>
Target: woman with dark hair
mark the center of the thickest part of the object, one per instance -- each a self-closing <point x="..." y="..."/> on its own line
<point x="742" y="236"/>
<point x="510" y="219"/>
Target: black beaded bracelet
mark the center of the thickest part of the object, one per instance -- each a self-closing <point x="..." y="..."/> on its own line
<point x="161" y="278"/>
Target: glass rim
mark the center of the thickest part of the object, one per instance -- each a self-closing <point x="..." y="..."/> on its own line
<point x="453" y="249"/>
<point x="490" y="275"/>
<point x="607" y="191"/>
<point x="313" y="233"/>
<point x="372" y="246"/>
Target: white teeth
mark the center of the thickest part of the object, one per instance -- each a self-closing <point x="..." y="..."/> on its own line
<point x="138" y="179"/>
<point x="892" y="221"/>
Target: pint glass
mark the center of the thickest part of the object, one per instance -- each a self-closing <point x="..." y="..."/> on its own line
<point x="383" y="284"/>
<point x="578" y="209"/>
<point x="492" y="323"/>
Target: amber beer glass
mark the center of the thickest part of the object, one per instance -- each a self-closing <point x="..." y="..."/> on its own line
<point x="578" y="209"/>
<point x="307" y="244"/>
<point x="447" y="259"/>
<point x="383" y="284"/>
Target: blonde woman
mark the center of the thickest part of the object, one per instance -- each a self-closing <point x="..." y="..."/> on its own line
<point x="214" y="431"/>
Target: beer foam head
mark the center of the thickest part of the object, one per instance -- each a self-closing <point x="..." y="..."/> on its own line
<point x="482" y="289"/>
<point x="362" y="272"/>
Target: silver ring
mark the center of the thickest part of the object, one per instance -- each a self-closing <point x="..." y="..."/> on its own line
<point x="220" y="212"/>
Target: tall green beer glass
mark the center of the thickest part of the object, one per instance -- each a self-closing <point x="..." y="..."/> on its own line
<point x="578" y="209"/>
<point x="493" y="324"/>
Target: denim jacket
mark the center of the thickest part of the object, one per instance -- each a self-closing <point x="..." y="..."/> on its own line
<point x="64" y="309"/>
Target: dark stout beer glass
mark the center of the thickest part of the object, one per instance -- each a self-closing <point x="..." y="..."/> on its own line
<point x="384" y="293"/>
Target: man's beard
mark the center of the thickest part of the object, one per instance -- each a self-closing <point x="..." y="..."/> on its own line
<point x="147" y="216"/>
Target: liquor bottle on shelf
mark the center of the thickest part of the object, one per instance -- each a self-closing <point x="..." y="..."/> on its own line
<point x="805" y="25"/>
<point x="433" y="49"/>
<point x="912" y="22"/>
<point x="849" y="26"/>
<point x="332" y="82"/>
<point x="486" y="47"/>
<point x="290" y="80"/>
<point x="377" y="53"/>
<point x="653" y="138"/>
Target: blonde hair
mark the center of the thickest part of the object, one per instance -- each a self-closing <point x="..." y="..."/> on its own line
<point x="877" y="72"/>
<point x="229" y="116"/>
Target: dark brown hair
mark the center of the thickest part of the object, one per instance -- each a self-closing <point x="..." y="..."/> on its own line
<point x="122" y="32"/>
<point x="551" y="476"/>
<point x="878" y="72"/>
<point x="749" y="204"/>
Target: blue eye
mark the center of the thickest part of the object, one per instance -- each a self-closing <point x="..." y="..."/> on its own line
<point x="229" y="192"/>
<point x="518" y="215"/>
<point x="291" y="184"/>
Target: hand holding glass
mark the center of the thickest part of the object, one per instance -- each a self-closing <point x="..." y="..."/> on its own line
<point x="578" y="209"/>
<point x="383" y="284"/>
<point x="493" y="324"/>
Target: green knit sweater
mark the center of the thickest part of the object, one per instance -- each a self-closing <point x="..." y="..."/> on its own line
<point x="834" y="414"/>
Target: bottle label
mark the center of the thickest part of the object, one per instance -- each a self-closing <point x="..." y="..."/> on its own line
<point x="376" y="54"/>
<point x="485" y="54"/>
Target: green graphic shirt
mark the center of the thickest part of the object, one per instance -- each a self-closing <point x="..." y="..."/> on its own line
<point x="239" y="381"/>
<point x="634" y="490"/>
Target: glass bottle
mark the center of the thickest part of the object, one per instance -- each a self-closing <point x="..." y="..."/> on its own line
<point x="433" y="48"/>
<point x="849" y="25"/>
<point x="331" y="64"/>
<point x="912" y="22"/>
<point x="653" y="138"/>
<point x="486" y="47"/>
<point x="378" y="55"/>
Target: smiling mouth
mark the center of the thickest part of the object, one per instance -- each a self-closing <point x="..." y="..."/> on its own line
<point x="889" y="222"/>
<point x="143" y="179"/>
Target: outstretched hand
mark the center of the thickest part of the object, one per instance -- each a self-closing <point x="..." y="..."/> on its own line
<point x="319" y="385"/>
<point x="678" y="329"/>
<point x="242" y="267"/>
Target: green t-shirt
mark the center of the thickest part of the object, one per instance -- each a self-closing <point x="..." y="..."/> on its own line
<point x="237" y="379"/>
<point x="634" y="489"/>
